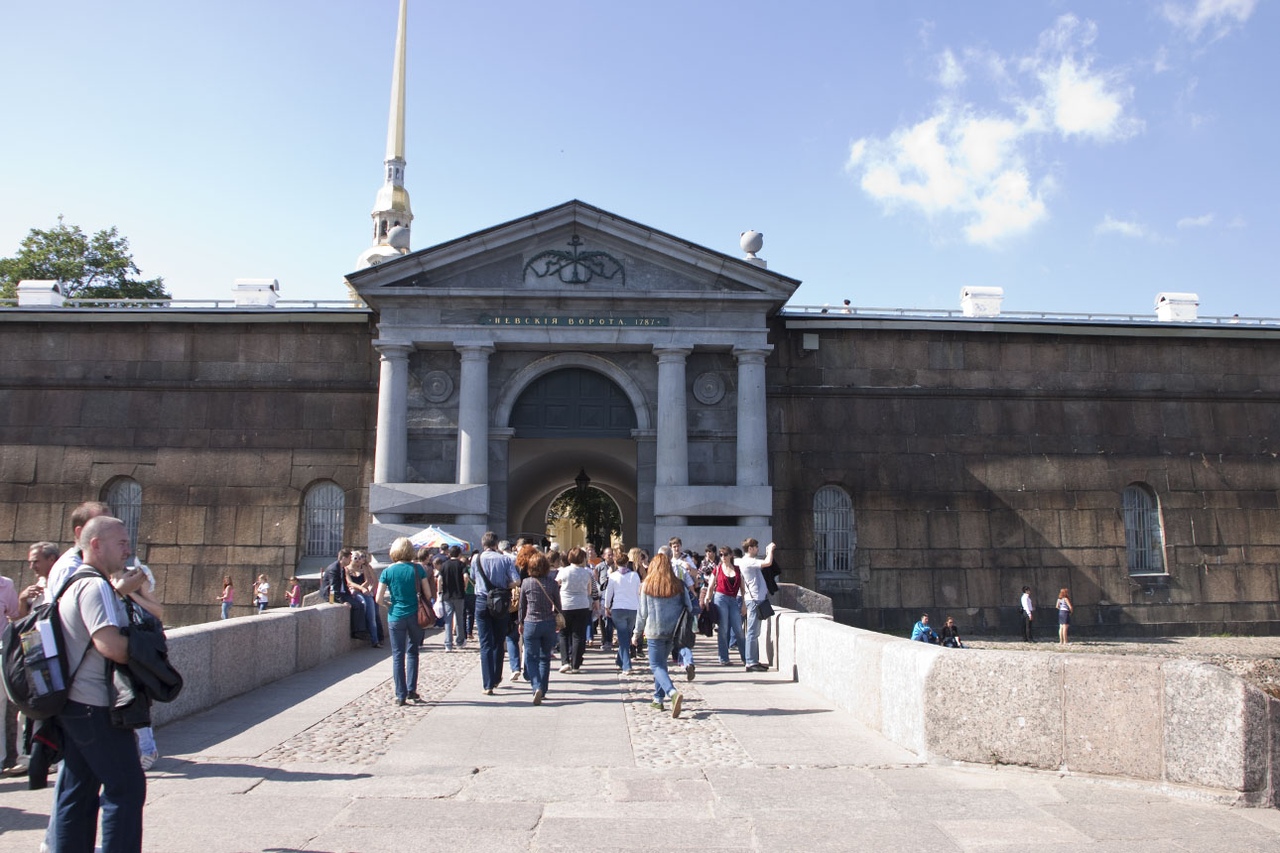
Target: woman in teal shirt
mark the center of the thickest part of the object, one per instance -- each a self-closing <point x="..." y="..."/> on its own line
<point x="399" y="587"/>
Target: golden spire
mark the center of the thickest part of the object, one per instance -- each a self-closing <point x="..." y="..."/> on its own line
<point x="395" y="124"/>
<point x="391" y="213"/>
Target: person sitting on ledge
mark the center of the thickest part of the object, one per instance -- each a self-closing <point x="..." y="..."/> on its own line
<point x="923" y="633"/>
<point x="951" y="634"/>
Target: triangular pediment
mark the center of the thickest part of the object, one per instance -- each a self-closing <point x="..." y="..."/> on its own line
<point x="573" y="251"/>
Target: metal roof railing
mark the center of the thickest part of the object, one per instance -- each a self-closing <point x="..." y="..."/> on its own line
<point x="838" y="311"/>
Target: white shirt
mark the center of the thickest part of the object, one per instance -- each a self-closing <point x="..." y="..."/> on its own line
<point x="623" y="592"/>
<point x="753" y="587"/>
<point x="1026" y="603"/>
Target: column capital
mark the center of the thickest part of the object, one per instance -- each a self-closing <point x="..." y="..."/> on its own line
<point x="669" y="354"/>
<point x="393" y="349"/>
<point x="750" y="354"/>
<point x="475" y="352"/>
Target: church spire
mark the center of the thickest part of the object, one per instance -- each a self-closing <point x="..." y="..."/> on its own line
<point x="391" y="212"/>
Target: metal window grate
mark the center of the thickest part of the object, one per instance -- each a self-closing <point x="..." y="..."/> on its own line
<point x="834" y="537"/>
<point x="124" y="496"/>
<point x="1143" y="531"/>
<point x="322" y="513"/>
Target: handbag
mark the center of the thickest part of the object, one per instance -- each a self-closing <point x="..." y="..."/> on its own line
<point x="559" y="613"/>
<point x="683" y="636"/>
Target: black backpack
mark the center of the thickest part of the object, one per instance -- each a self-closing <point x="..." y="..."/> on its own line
<point x="37" y="674"/>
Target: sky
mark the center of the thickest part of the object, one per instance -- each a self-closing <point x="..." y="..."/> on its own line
<point x="1083" y="156"/>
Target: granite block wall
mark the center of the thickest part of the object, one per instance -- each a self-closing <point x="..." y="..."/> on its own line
<point x="223" y="421"/>
<point x="979" y="461"/>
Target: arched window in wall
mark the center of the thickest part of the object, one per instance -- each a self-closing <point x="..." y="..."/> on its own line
<point x="1143" y="530"/>
<point x="124" y="496"/>
<point x="834" y="537"/>
<point x="322" y="512"/>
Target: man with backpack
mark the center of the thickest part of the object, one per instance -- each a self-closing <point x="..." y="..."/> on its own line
<point x="100" y="761"/>
<point x="495" y="575"/>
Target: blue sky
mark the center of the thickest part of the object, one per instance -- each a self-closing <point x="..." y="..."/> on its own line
<point x="1083" y="156"/>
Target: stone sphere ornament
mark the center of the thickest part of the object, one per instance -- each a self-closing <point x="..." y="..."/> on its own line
<point x="751" y="242"/>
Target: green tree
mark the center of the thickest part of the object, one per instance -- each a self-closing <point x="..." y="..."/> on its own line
<point x="590" y="508"/>
<point x="89" y="267"/>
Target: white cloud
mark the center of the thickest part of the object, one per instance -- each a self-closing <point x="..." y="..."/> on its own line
<point x="1124" y="228"/>
<point x="1238" y="221"/>
<point x="1196" y="221"/>
<point x="973" y="164"/>
<point x="1082" y="102"/>
<point x="950" y="72"/>
<point x="1218" y="17"/>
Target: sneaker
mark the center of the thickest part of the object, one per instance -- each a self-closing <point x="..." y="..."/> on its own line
<point x="726" y="663"/>
<point x="21" y="770"/>
<point x="515" y="675"/>
<point x="147" y="759"/>
<point x="625" y="671"/>
<point x="399" y="703"/>
<point x="677" y="702"/>
<point x="413" y="695"/>
<point x="690" y="671"/>
<point x="758" y="668"/>
<point x="537" y="697"/>
<point x="566" y="668"/>
<point x="574" y="670"/>
<point x="488" y="691"/>
<point x="657" y="706"/>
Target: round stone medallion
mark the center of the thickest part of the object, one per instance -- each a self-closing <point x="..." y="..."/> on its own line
<point x="708" y="389"/>
<point x="437" y="386"/>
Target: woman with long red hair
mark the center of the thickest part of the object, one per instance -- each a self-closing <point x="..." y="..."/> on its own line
<point x="663" y="597"/>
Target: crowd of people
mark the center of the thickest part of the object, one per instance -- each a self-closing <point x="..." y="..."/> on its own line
<point x="538" y="609"/>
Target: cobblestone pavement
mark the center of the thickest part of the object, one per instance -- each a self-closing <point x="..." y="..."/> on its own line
<point x="697" y="738"/>
<point x="364" y="729"/>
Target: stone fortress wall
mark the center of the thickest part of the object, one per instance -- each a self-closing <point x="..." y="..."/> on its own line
<point x="223" y="419"/>
<point x="984" y="456"/>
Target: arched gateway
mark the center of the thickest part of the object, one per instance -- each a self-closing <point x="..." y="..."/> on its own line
<point x="571" y="340"/>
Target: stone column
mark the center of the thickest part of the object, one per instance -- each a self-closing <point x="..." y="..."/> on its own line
<point x="391" y="445"/>
<point x="753" y="446"/>
<point x="673" y="418"/>
<point x="473" y="415"/>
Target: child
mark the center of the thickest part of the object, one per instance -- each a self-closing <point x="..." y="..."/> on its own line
<point x="294" y="593"/>
<point x="263" y="593"/>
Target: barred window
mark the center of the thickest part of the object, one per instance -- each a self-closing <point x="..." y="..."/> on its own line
<point x="1143" y="530"/>
<point x="834" y="537"/>
<point x="124" y="496"/>
<point x="322" y="511"/>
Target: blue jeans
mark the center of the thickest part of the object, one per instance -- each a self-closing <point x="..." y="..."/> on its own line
<point x="753" y="633"/>
<point x="513" y="643"/>
<point x="625" y="622"/>
<point x="539" y="639"/>
<point x="226" y="610"/>
<point x="455" y="632"/>
<point x="730" y="626"/>
<point x="406" y="641"/>
<point x="100" y="760"/>
<point x="469" y="609"/>
<point x="371" y="615"/>
<point x="493" y="632"/>
<point x="659" y="651"/>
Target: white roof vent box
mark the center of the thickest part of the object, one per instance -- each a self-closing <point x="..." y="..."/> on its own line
<point x="981" y="301"/>
<point x="40" y="293"/>
<point x="256" y="292"/>
<point x="1177" y="307"/>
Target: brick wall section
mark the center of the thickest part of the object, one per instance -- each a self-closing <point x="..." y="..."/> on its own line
<point x="224" y="423"/>
<point x="980" y="461"/>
